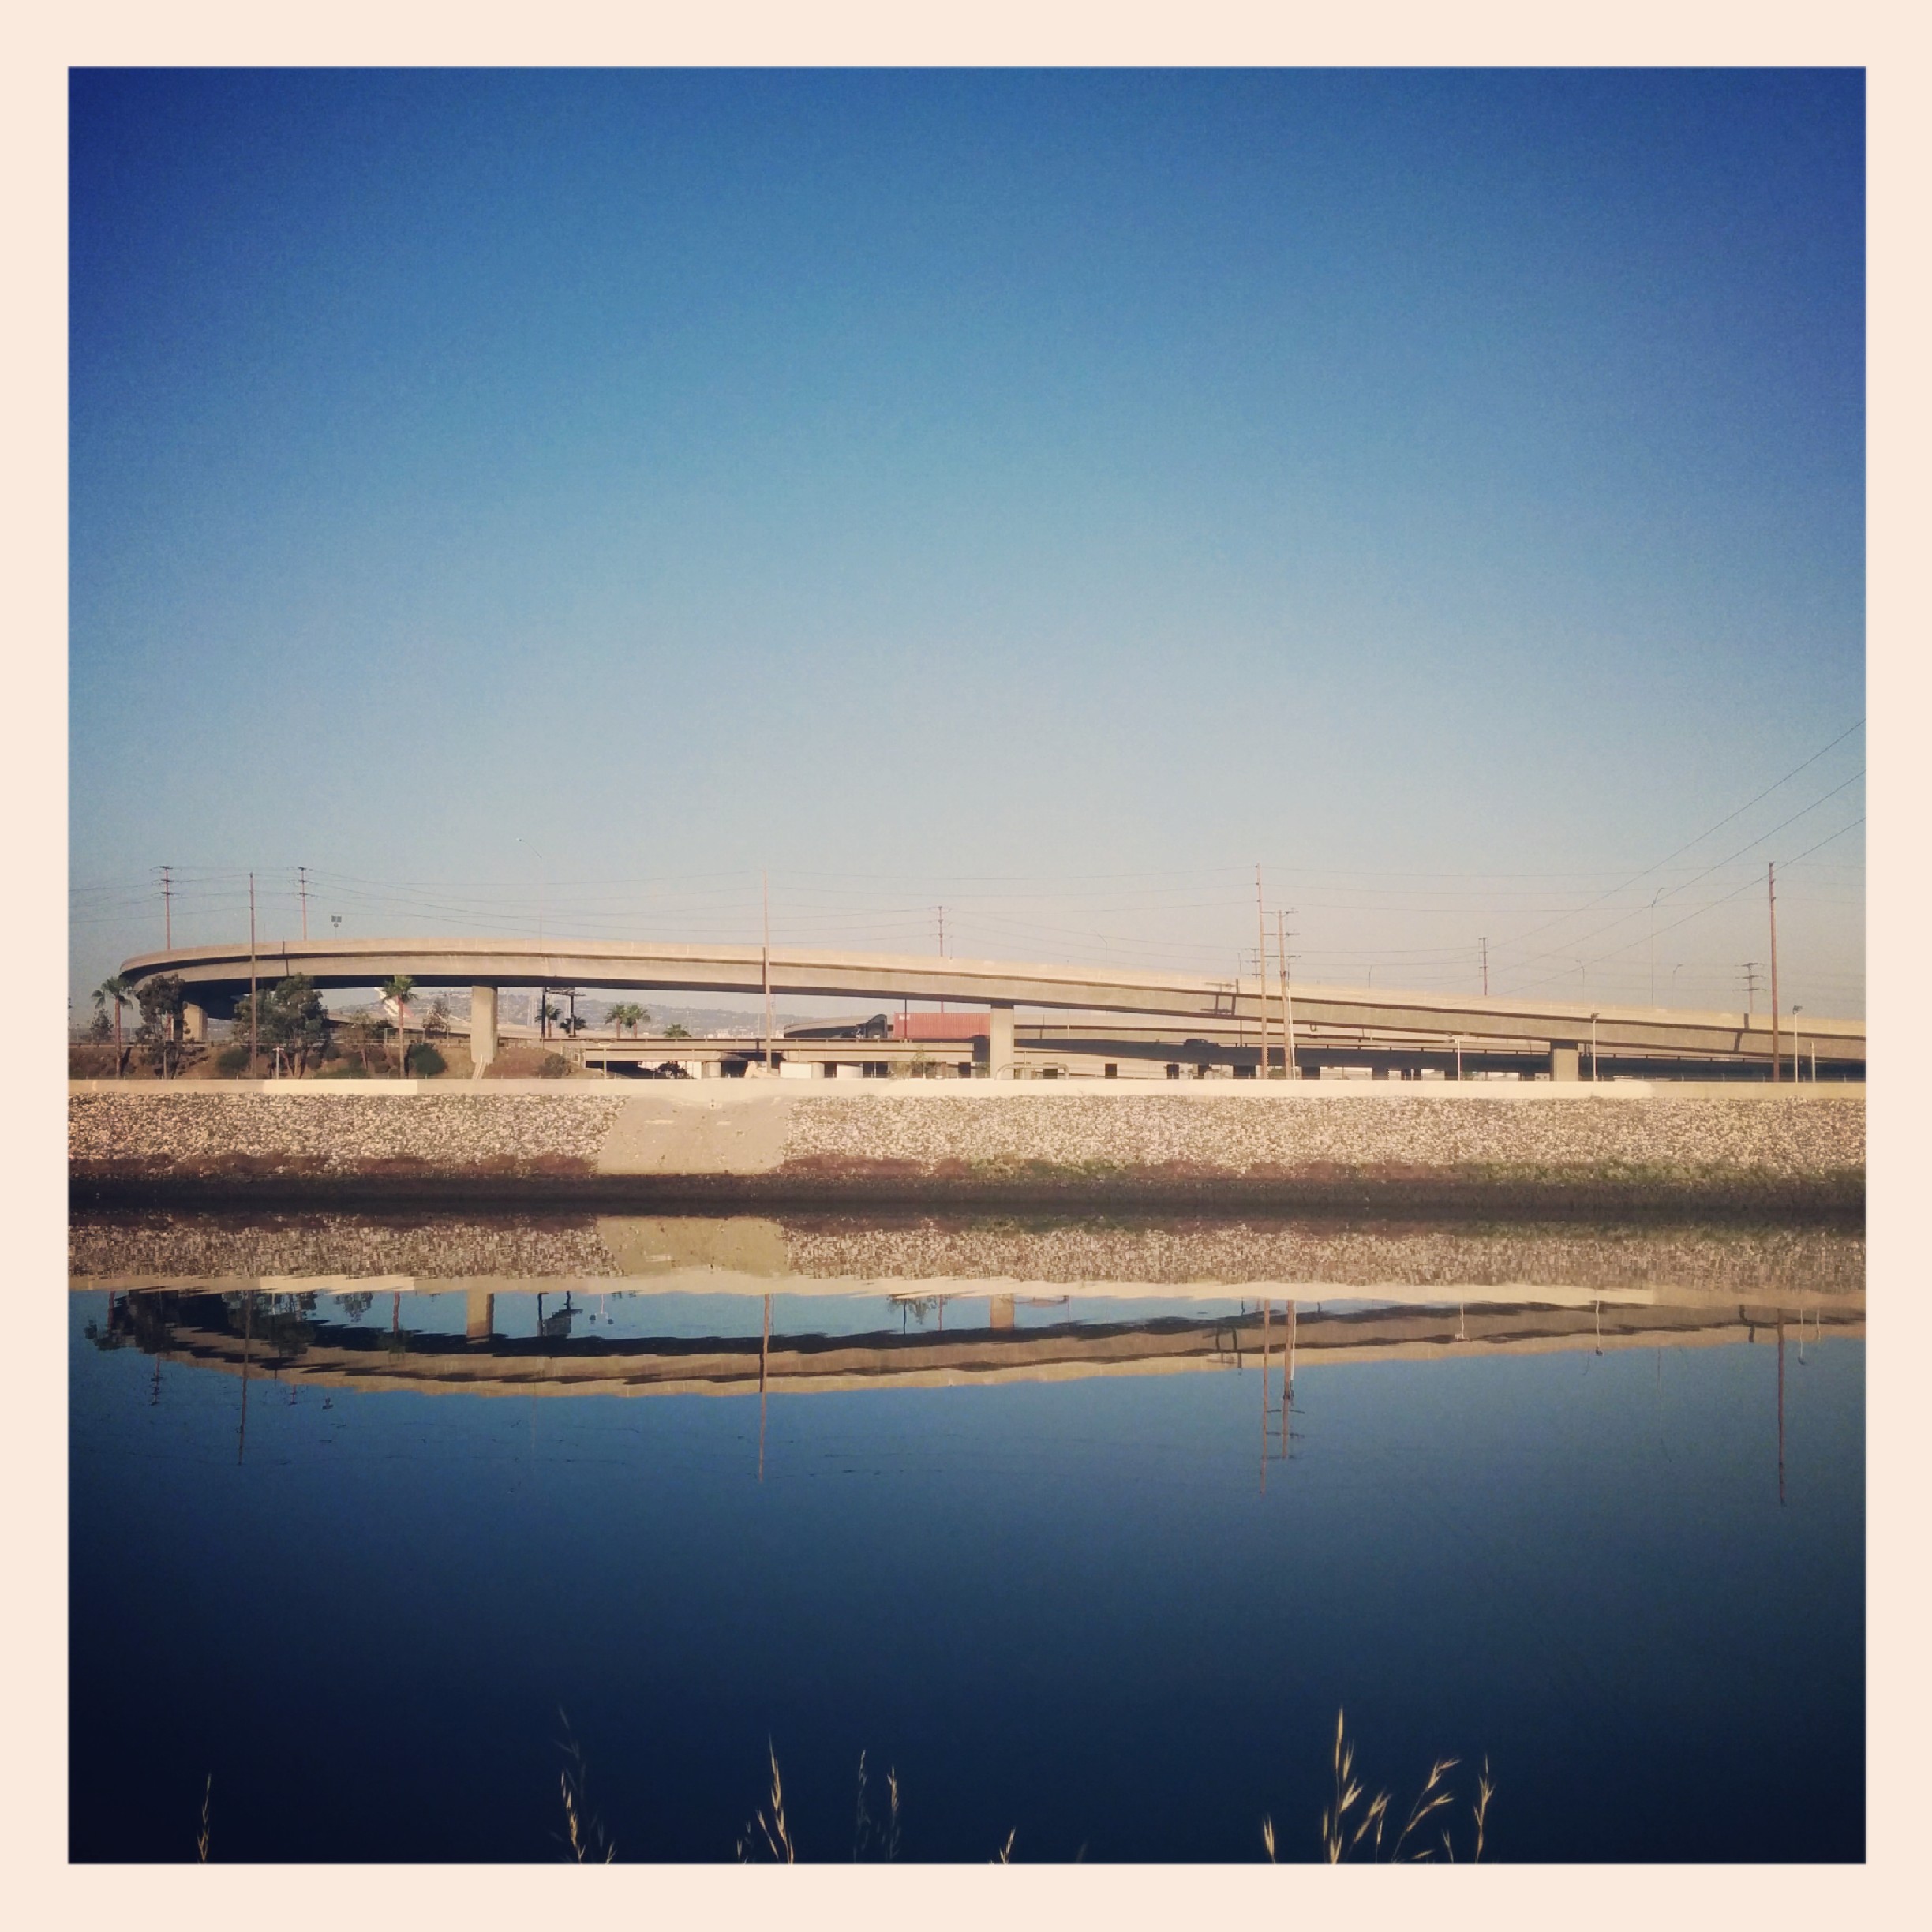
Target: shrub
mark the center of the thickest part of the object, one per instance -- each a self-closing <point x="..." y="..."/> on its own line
<point x="232" y="1061"/>
<point x="527" y="1062"/>
<point x="424" y="1059"/>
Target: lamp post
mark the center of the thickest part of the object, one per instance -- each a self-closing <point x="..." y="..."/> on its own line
<point x="543" y="990"/>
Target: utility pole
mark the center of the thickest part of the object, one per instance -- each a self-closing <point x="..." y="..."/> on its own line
<point x="1484" y="942"/>
<point x="168" y="909"/>
<point x="941" y="911"/>
<point x="1261" y="971"/>
<point x="301" y="892"/>
<point x="1750" y="987"/>
<point x="1281" y="937"/>
<point x="254" y="1003"/>
<point x="765" y="878"/>
<point x="1771" y="885"/>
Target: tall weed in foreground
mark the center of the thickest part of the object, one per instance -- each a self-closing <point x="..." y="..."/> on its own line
<point x="1347" y="1830"/>
<point x="583" y="1835"/>
<point x="769" y="1826"/>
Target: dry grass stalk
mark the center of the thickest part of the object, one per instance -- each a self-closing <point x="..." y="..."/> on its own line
<point x="1004" y="1855"/>
<point x="201" y="1844"/>
<point x="1341" y="1839"/>
<point x="866" y="1830"/>
<point x="584" y="1834"/>
<point x="772" y="1829"/>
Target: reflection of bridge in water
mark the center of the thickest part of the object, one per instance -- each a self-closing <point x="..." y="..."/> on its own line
<point x="286" y="1335"/>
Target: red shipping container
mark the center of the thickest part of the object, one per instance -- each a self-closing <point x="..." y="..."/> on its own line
<point x="942" y="1026"/>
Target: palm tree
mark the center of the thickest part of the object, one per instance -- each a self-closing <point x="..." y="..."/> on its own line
<point x="399" y="989"/>
<point x="628" y="1014"/>
<point x="120" y="989"/>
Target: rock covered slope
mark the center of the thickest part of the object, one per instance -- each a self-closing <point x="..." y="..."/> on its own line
<point x="1299" y="1150"/>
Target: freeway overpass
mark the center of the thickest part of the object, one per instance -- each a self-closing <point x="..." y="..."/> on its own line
<point x="1554" y="1032"/>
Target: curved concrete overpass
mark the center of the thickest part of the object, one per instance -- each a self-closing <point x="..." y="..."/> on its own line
<point x="214" y="977"/>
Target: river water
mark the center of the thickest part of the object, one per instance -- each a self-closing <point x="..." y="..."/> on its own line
<point x="369" y="1547"/>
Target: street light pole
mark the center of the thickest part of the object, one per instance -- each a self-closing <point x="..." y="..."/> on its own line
<point x="764" y="883"/>
<point x="1261" y="972"/>
<point x="1281" y="937"/>
<point x="254" y="1003"/>
<point x="543" y="990"/>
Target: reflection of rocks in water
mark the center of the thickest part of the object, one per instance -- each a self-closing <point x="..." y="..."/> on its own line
<point x="1559" y="1257"/>
<point x="163" y="1243"/>
<point x="1726" y="1259"/>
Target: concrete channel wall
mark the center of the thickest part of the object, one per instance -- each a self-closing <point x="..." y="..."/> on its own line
<point x="1508" y="1146"/>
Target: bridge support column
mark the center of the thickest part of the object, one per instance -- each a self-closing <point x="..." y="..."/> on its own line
<point x="1000" y="1044"/>
<point x="482" y="1027"/>
<point x="1564" y="1060"/>
<point x="194" y="1025"/>
<point x="479" y="1314"/>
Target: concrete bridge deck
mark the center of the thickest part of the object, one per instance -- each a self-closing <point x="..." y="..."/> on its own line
<point x="214" y="977"/>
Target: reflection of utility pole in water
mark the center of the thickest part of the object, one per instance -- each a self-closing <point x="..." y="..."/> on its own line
<point x="1267" y="1309"/>
<point x="395" y="1313"/>
<point x="1781" y="1341"/>
<point x="1288" y="1383"/>
<point x="764" y="1363"/>
<point x="248" y="1338"/>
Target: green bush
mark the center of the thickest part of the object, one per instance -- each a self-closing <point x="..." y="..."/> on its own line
<point x="425" y="1060"/>
<point x="552" y="1066"/>
<point x="232" y="1061"/>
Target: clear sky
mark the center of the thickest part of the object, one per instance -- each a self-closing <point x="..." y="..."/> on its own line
<point x="561" y="496"/>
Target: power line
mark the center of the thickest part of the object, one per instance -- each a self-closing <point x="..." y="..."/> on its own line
<point x="1710" y="869"/>
<point x="1699" y="840"/>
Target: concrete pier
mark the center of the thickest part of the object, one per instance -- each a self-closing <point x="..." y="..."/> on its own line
<point x="1564" y="1060"/>
<point x="194" y="1025"/>
<point x="1000" y="1043"/>
<point x="482" y="1026"/>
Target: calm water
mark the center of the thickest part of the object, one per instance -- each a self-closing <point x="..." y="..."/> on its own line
<point x="350" y="1551"/>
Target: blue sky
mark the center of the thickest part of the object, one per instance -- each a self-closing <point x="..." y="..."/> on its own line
<point x="1042" y="495"/>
